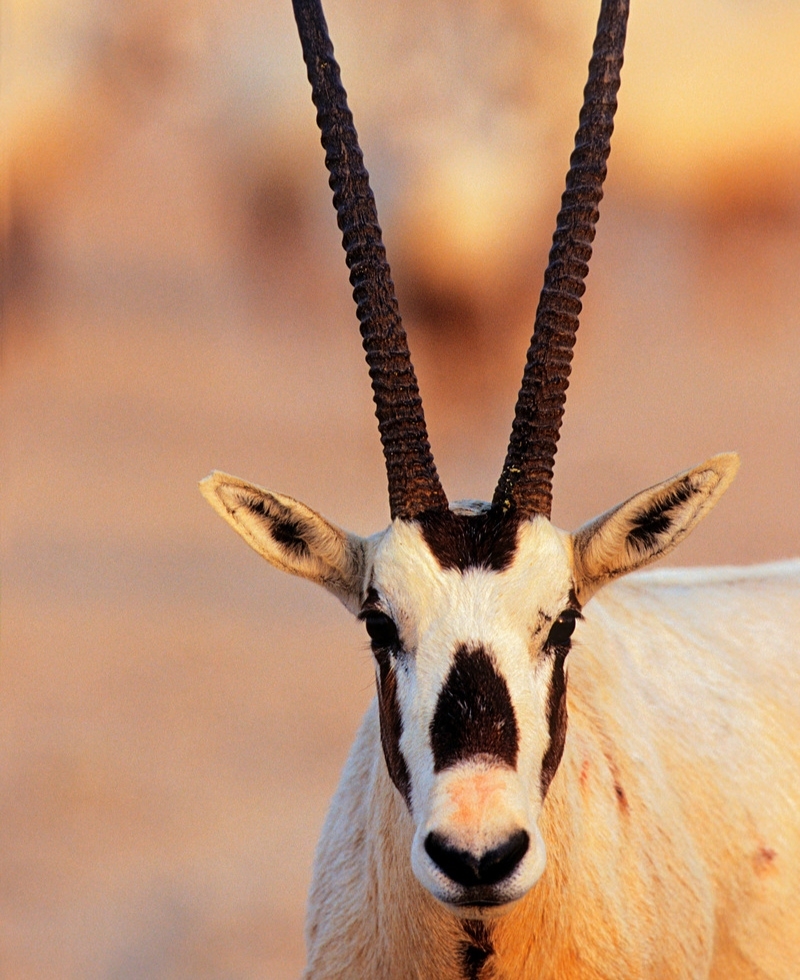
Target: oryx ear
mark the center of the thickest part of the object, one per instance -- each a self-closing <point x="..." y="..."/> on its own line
<point x="648" y="525"/>
<point x="291" y="536"/>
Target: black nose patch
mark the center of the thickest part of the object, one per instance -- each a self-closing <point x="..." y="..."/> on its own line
<point x="474" y="714"/>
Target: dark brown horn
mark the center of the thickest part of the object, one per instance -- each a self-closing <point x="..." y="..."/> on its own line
<point x="414" y="485"/>
<point x="526" y="483"/>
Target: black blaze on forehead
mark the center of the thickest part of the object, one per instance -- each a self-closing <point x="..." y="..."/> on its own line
<point x="474" y="714"/>
<point x="462" y="541"/>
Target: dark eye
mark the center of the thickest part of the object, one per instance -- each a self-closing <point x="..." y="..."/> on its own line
<point x="562" y="629"/>
<point x="381" y="629"/>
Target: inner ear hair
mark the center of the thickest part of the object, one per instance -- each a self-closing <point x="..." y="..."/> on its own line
<point x="648" y="525"/>
<point x="290" y="535"/>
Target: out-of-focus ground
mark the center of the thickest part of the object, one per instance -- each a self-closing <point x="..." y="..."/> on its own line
<point x="173" y="713"/>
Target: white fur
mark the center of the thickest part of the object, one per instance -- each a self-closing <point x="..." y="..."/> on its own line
<point x="668" y="844"/>
<point x="684" y="691"/>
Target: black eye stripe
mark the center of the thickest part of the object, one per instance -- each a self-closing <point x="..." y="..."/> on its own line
<point x="556" y="720"/>
<point x="382" y="632"/>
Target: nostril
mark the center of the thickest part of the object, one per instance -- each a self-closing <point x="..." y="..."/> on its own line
<point x="501" y="861"/>
<point x="469" y="869"/>
<point x="462" y="866"/>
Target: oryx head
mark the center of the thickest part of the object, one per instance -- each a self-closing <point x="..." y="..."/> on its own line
<point x="470" y="607"/>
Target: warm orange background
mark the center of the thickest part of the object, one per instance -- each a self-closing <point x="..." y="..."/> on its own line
<point x="173" y="713"/>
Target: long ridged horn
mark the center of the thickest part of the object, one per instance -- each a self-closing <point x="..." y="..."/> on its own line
<point x="414" y="485"/>
<point x="526" y="483"/>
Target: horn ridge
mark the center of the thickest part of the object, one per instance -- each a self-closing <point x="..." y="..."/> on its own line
<point x="414" y="485"/>
<point x="527" y="478"/>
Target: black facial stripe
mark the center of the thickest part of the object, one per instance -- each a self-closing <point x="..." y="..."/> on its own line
<point x="391" y="721"/>
<point x="372" y="600"/>
<point x="392" y="726"/>
<point x="556" y="720"/>
<point x="462" y="541"/>
<point x="477" y="948"/>
<point x="648" y="526"/>
<point x="474" y="714"/>
<point x="282" y="526"/>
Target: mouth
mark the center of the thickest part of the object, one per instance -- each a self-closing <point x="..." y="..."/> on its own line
<point x="483" y="902"/>
<point x="481" y="908"/>
<point x="478" y="901"/>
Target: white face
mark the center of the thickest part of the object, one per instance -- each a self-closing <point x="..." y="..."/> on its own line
<point x="470" y="667"/>
<point x="470" y="615"/>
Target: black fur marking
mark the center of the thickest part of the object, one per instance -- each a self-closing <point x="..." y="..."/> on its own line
<point x="477" y="948"/>
<point x="289" y="535"/>
<point x="474" y="714"/>
<point x="462" y="541"/>
<point x="647" y="527"/>
<point x="392" y="725"/>
<point x="391" y="720"/>
<point x="284" y="529"/>
<point x="556" y="720"/>
<point x="372" y="601"/>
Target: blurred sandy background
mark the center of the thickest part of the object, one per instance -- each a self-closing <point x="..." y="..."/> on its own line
<point x="173" y="713"/>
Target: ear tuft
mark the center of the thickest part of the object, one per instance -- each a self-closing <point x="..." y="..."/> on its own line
<point x="649" y="525"/>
